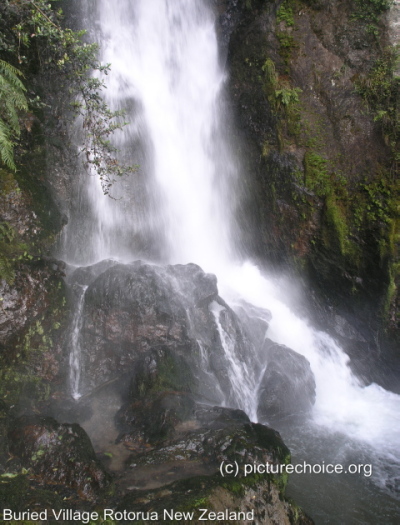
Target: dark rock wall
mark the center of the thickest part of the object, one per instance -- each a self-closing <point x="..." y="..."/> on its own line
<point x="319" y="164"/>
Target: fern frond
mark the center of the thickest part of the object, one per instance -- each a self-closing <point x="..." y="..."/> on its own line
<point x="6" y="146"/>
<point x="11" y="73"/>
<point x="12" y="101"/>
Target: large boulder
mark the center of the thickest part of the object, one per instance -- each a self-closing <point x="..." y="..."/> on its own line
<point x="140" y="319"/>
<point x="287" y="386"/>
<point x="189" y="442"/>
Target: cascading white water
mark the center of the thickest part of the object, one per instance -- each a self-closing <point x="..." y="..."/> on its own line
<point x="242" y="376"/>
<point x="76" y="350"/>
<point x="165" y="64"/>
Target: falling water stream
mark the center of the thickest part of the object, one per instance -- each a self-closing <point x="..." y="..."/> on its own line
<point x="180" y="208"/>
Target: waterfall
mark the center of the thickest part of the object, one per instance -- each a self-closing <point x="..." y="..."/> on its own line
<point x="165" y="68"/>
<point x="180" y="206"/>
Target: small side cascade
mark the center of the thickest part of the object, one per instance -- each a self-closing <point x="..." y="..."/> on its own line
<point x="241" y="377"/>
<point x="75" y="356"/>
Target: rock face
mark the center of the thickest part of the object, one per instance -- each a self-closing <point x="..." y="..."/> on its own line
<point x="27" y="298"/>
<point x="318" y="161"/>
<point x="287" y="387"/>
<point x="33" y="317"/>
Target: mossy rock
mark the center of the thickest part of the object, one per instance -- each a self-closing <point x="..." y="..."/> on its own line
<point x="161" y="369"/>
<point x="59" y="453"/>
<point x="231" y="501"/>
<point x="36" y="315"/>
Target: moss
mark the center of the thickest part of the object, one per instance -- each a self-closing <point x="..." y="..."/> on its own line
<point x="284" y="100"/>
<point x="22" y="383"/>
<point x="379" y="87"/>
<point x="287" y="42"/>
<point x="172" y="374"/>
<point x="369" y="11"/>
<point x="391" y="291"/>
<point x="195" y="493"/>
<point x="316" y="174"/>
<point x="31" y="177"/>
<point x="287" y="45"/>
<point x="337" y="225"/>
<point x="7" y="182"/>
<point x="19" y="495"/>
<point x="12" y="252"/>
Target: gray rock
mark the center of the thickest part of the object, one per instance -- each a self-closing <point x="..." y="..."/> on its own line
<point x="138" y="314"/>
<point x="287" y="386"/>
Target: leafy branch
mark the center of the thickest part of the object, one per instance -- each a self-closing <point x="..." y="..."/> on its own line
<point x="37" y="32"/>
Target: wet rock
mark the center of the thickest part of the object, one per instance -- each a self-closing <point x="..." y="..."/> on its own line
<point x="138" y="316"/>
<point x="215" y="499"/>
<point x="83" y="276"/>
<point x="128" y="310"/>
<point x="160" y="369"/>
<point x="33" y="318"/>
<point x="173" y="426"/>
<point x="151" y="421"/>
<point x="202" y="437"/>
<point x="255" y="321"/>
<point x="288" y="384"/>
<point x="59" y="453"/>
<point x="325" y="54"/>
<point x="19" y="493"/>
<point x="229" y="16"/>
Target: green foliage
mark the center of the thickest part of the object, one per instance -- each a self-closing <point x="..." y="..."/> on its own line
<point x="99" y="123"/>
<point x="371" y="10"/>
<point x="284" y="101"/>
<point x="287" y="96"/>
<point x="32" y="36"/>
<point x="271" y="76"/>
<point x="281" y="94"/>
<point x="316" y="173"/>
<point x="285" y="13"/>
<point x="12" y="102"/>
<point x="376" y="209"/>
<point x="287" y="45"/>
<point x="377" y="87"/>
<point x="380" y="90"/>
<point x="337" y="223"/>
<point x="380" y="201"/>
